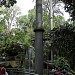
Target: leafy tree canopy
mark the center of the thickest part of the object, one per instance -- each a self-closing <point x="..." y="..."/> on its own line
<point x="70" y="7"/>
<point x="63" y="43"/>
<point x="7" y="3"/>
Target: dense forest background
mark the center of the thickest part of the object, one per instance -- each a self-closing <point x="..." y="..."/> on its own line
<point x="17" y="32"/>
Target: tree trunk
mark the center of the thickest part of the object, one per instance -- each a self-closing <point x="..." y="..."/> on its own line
<point x="39" y="39"/>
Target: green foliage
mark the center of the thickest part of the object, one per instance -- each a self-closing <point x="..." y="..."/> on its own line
<point x="63" y="43"/>
<point x="26" y="24"/>
<point x="62" y="63"/>
<point x="22" y="37"/>
<point x="63" y="39"/>
<point x="12" y="49"/>
<point x="46" y="22"/>
<point x="58" y="20"/>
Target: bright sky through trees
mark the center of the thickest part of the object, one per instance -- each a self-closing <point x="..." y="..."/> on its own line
<point x="26" y="5"/>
